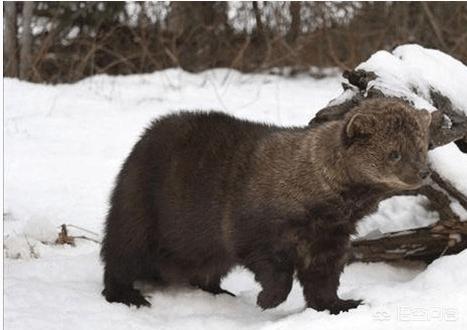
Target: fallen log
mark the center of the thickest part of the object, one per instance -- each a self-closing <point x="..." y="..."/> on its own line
<point x="447" y="236"/>
<point x="422" y="244"/>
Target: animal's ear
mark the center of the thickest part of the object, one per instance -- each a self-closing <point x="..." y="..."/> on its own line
<point x="425" y="117"/>
<point x="360" y="125"/>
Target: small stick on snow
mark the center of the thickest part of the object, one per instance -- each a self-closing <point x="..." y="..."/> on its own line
<point x="87" y="238"/>
<point x="83" y="229"/>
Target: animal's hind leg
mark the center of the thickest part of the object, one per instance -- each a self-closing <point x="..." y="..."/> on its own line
<point x="211" y="284"/>
<point x="121" y="290"/>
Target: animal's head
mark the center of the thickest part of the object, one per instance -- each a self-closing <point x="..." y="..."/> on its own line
<point x="387" y="143"/>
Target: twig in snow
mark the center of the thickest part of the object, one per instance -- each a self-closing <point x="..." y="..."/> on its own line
<point x="87" y="238"/>
<point x="63" y="237"/>
<point x="83" y="229"/>
<point x="32" y="252"/>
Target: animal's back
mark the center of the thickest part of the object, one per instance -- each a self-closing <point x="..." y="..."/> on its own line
<point x="206" y="157"/>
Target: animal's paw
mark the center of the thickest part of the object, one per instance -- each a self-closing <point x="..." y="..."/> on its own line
<point x="129" y="298"/>
<point x="343" y="305"/>
<point x="270" y="299"/>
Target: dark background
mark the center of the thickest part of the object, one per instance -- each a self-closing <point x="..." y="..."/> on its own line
<point x="66" y="41"/>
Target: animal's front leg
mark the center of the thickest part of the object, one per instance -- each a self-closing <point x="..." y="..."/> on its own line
<point x="320" y="281"/>
<point x="276" y="279"/>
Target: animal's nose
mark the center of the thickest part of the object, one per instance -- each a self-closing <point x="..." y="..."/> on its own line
<point x="425" y="173"/>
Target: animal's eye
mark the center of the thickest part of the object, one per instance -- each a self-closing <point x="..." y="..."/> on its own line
<point x="394" y="156"/>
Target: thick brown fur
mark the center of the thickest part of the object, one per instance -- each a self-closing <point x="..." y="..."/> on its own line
<point x="203" y="192"/>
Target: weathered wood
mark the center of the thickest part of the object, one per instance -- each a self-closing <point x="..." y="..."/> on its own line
<point x="359" y="78"/>
<point x="450" y="189"/>
<point x="424" y="244"/>
<point x="442" y="132"/>
<point x="447" y="236"/>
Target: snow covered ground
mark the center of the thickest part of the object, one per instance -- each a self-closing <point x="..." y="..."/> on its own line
<point x="63" y="148"/>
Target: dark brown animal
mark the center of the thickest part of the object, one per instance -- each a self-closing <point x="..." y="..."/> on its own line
<point x="202" y="192"/>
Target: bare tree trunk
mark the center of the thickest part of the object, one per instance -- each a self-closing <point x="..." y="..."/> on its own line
<point x="26" y="41"/>
<point x="177" y="19"/>
<point x="294" y="30"/>
<point x="198" y="31"/>
<point x="434" y="24"/>
<point x="10" y="50"/>
<point x="259" y="23"/>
